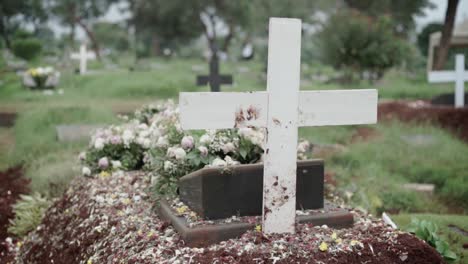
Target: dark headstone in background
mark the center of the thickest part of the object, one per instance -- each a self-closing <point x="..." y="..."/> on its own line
<point x="215" y="193"/>
<point x="447" y="99"/>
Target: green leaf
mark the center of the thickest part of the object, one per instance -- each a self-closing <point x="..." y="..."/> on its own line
<point x="450" y="255"/>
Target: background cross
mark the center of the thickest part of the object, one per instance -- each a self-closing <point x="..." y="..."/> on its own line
<point x="459" y="76"/>
<point x="281" y="110"/>
<point x="83" y="56"/>
<point x="214" y="79"/>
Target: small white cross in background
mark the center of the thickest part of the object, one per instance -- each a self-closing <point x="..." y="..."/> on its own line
<point x="83" y="56"/>
<point x="459" y="76"/>
<point x="281" y="110"/>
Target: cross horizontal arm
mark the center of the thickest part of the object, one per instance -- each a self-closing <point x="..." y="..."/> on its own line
<point x="207" y="110"/>
<point x="337" y="107"/>
<point x="444" y="76"/>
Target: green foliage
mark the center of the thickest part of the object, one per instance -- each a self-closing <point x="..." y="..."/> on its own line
<point x="400" y="200"/>
<point x="28" y="214"/>
<point x="28" y="48"/>
<point x="359" y="44"/>
<point x="427" y="231"/>
<point x="445" y="223"/>
<point x="424" y="36"/>
<point x="114" y="36"/>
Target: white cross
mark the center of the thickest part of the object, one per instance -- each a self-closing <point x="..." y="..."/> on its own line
<point x="83" y="56"/>
<point x="281" y="110"/>
<point x="459" y="76"/>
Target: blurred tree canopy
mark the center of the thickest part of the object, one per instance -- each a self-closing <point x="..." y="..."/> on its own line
<point x="12" y="12"/>
<point x="423" y="37"/>
<point x="401" y="12"/>
<point x="360" y="44"/>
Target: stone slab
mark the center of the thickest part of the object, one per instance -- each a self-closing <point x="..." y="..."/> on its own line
<point x="76" y="132"/>
<point x="215" y="193"/>
<point x="205" y="235"/>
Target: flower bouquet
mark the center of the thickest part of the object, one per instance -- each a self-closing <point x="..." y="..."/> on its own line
<point x="41" y="78"/>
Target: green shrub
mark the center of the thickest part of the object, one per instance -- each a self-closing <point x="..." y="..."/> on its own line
<point x="358" y="44"/>
<point x="28" y="214"/>
<point x="400" y="201"/>
<point x="27" y="49"/>
<point x="427" y="231"/>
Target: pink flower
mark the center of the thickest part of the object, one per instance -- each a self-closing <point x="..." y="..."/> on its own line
<point x="103" y="163"/>
<point x="187" y="142"/>
<point x="115" y="140"/>
<point x="203" y="151"/>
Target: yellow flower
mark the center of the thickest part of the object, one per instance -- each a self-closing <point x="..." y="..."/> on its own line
<point x="334" y="236"/>
<point x="182" y="209"/>
<point x="140" y="232"/>
<point x="258" y="228"/>
<point x="126" y="201"/>
<point x="323" y="246"/>
<point x="90" y="261"/>
<point x="150" y="234"/>
<point x="19" y="244"/>
<point x="354" y="242"/>
<point x="338" y="241"/>
<point x="193" y="214"/>
<point x="104" y="174"/>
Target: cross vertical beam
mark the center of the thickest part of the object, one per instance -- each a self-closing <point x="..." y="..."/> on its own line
<point x="83" y="57"/>
<point x="459" y="81"/>
<point x="279" y="184"/>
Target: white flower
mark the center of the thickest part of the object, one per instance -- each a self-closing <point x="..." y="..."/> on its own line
<point x="228" y="147"/>
<point x="168" y="165"/>
<point x="162" y="142"/>
<point x="170" y="152"/>
<point x="116" y="164"/>
<point x="205" y="139"/>
<point x="127" y="136"/>
<point x="99" y="143"/>
<point x="82" y="156"/>
<point x="303" y="146"/>
<point x="103" y="163"/>
<point x="179" y="153"/>
<point x="86" y="171"/>
<point x="218" y="163"/>
<point x="187" y="142"/>
<point x="203" y="151"/>
<point x="230" y="161"/>
<point x="146" y="143"/>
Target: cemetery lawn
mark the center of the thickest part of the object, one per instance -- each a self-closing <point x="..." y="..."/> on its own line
<point x="165" y="79"/>
<point x="447" y="230"/>
<point x="377" y="160"/>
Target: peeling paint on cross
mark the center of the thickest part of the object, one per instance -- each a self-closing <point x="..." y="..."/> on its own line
<point x="281" y="110"/>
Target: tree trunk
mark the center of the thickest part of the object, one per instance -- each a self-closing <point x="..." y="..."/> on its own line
<point x="155" y="45"/>
<point x="91" y="36"/>
<point x="447" y="30"/>
<point x="3" y="30"/>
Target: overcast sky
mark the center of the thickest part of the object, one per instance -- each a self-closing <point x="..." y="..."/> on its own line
<point x="431" y="15"/>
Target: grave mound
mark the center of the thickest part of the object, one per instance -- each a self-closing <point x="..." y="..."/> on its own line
<point x="107" y="219"/>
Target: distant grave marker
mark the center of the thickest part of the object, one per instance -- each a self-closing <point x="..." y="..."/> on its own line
<point x="214" y="79"/>
<point x="459" y="76"/>
<point x="83" y="56"/>
<point x="75" y="132"/>
<point x="281" y="110"/>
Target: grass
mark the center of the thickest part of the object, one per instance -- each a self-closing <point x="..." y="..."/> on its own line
<point x="7" y="144"/>
<point x="167" y="78"/>
<point x="456" y="240"/>
<point x="49" y="163"/>
<point x="372" y="172"/>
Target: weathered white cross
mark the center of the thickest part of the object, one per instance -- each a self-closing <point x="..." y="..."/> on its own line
<point x="459" y="76"/>
<point x="281" y="110"/>
<point x="83" y="56"/>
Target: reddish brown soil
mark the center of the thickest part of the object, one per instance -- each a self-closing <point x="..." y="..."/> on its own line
<point x="12" y="184"/>
<point x="450" y="118"/>
<point x="417" y="253"/>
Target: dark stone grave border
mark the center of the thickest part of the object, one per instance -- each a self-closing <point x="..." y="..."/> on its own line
<point x="202" y="236"/>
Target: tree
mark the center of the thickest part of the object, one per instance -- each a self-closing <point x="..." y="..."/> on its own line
<point x="80" y="13"/>
<point x="402" y="12"/>
<point x="424" y="36"/>
<point x="11" y="11"/>
<point x="447" y="30"/>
